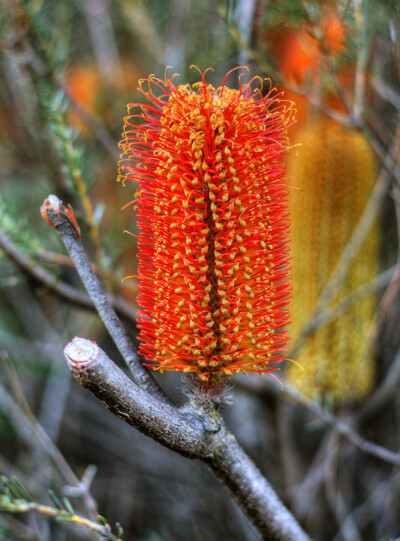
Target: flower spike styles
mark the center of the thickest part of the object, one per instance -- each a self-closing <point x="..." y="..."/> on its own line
<point x="213" y="220"/>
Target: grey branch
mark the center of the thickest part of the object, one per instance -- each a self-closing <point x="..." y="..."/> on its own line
<point x="64" y="222"/>
<point x="251" y="490"/>
<point x="189" y="432"/>
<point x="91" y="367"/>
<point x="382" y="395"/>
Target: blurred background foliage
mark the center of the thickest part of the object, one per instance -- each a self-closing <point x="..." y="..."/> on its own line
<point x="68" y="70"/>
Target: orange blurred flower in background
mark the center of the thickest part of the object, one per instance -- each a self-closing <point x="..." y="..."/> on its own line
<point x="86" y="87"/>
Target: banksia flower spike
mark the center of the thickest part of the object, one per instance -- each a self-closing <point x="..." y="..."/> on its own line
<point x="213" y="221"/>
<point x="335" y="171"/>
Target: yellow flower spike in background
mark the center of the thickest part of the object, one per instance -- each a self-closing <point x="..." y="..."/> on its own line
<point x="213" y="221"/>
<point x="335" y="170"/>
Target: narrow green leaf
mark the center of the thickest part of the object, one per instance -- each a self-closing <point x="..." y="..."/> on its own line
<point x="55" y="500"/>
<point x="68" y="506"/>
<point x="25" y="494"/>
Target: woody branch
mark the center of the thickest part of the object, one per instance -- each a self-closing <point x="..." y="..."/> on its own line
<point x="191" y="431"/>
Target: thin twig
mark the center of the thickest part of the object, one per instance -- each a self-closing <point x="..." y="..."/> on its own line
<point x="23" y="506"/>
<point x="383" y="394"/>
<point x="360" y="232"/>
<point x="383" y="279"/>
<point x="351" y="119"/>
<point x="24" y="43"/>
<point x="388" y="157"/>
<point x="103" y="136"/>
<point x="19" y="528"/>
<point x="269" y="68"/>
<point x="362" y="53"/>
<point x="62" y="289"/>
<point x="391" y="293"/>
<point x="306" y="492"/>
<point x="345" y="429"/>
<point x="372" y="506"/>
<point x="345" y="522"/>
<point x="20" y="411"/>
<point x="98" y="19"/>
<point x="64" y="260"/>
<point x="56" y="388"/>
<point x="385" y="90"/>
<point x="136" y="14"/>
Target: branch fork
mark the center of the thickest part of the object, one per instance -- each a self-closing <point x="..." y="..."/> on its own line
<point x="195" y="431"/>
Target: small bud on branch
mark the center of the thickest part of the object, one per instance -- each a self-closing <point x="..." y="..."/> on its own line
<point x="55" y="205"/>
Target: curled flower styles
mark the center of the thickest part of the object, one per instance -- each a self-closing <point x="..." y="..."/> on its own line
<point x="213" y="220"/>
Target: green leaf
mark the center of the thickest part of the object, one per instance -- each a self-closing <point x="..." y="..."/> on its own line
<point x="68" y="506"/>
<point x="22" y="490"/>
<point x="55" y="500"/>
<point x="102" y="520"/>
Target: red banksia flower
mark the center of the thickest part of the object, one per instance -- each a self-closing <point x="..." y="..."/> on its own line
<point x="213" y="221"/>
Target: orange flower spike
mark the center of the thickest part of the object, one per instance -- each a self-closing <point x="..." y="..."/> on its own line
<point x="213" y="221"/>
